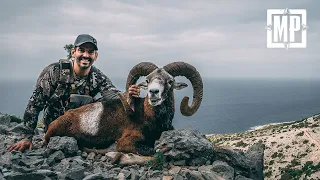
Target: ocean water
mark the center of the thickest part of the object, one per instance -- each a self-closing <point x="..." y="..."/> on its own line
<point x="228" y="106"/>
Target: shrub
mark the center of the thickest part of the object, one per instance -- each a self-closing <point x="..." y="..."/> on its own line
<point x="300" y="133"/>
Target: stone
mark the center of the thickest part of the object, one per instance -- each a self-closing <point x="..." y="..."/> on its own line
<point x="205" y="168"/>
<point x="5" y="119"/>
<point x="239" y="177"/>
<point x="126" y="173"/>
<point x="91" y="156"/>
<point x="194" y="175"/>
<point x="36" y="152"/>
<point x="48" y="173"/>
<point x="22" y="169"/>
<point x="177" y="177"/>
<point x="180" y="163"/>
<point x="248" y="164"/>
<point x="75" y="174"/>
<point x="68" y="145"/>
<point x="20" y="129"/>
<point x="223" y="169"/>
<point x="188" y="145"/>
<point x="55" y="158"/>
<point x="167" y="178"/>
<point x="84" y="155"/>
<point x="134" y="174"/>
<point x="104" y="158"/>
<point x="174" y="170"/>
<point x="96" y="176"/>
<point x="3" y="129"/>
<point x="24" y="176"/>
<point x="198" y="161"/>
<point x="210" y="175"/>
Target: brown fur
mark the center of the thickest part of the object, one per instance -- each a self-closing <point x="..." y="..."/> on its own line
<point x="131" y="132"/>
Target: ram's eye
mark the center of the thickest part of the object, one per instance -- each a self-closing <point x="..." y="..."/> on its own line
<point x="147" y="80"/>
<point x="170" y="81"/>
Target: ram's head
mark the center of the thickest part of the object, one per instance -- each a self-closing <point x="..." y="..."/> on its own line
<point x="160" y="82"/>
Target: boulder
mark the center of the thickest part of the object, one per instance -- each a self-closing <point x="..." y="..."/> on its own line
<point x="68" y="145"/>
<point x="187" y="146"/>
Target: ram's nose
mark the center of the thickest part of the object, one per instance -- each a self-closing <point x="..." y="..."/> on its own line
<point x="154" y="91"/>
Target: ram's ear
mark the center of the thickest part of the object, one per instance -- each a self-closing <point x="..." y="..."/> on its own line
<point x="143" y="85"/>
<point x="179" y="85"/>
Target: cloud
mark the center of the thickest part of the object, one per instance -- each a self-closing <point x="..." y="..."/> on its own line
<point x="221" y="38"/>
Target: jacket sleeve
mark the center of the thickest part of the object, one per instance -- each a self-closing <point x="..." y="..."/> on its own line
<point x="39" y="97"/>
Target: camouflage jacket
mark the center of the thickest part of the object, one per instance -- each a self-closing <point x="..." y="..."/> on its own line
<point x="52" y="96"/>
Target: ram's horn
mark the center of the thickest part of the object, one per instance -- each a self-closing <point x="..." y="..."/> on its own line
<point x="190" y="72"/>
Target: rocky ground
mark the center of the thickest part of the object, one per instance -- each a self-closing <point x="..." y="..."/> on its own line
<point x="181" y="154"/>
<point x="292" y="149"/>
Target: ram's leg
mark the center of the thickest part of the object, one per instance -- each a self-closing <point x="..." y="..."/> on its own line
<point x="130" y="142"/>
<point x="111" y="148"/>
<point x="57" y="128"/>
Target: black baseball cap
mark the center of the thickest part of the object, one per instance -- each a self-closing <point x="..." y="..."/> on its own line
<point x="84" y="38"/>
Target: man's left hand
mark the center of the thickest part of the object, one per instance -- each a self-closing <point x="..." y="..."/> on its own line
<point x="134" y="91"/>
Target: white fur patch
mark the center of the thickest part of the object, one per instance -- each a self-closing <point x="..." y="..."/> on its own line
<point x="156" y="85"/>
<point x="90" y="120"/>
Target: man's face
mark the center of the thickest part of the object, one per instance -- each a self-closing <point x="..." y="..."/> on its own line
<point x="84" y="55"/>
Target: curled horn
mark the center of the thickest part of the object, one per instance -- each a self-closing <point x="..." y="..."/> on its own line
<point x="190" y="72"/>
<point x="141" y="69"/>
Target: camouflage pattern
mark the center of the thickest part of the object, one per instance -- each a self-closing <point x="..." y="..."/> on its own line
<point x="52" y="95"/>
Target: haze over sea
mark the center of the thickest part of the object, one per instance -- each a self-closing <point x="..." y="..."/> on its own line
<point x="228" y="106"/>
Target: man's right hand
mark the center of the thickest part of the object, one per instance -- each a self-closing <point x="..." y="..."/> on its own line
<point x="21" y="145"/>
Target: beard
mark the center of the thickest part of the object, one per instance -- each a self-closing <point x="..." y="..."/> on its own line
<point x="84" y="63"/>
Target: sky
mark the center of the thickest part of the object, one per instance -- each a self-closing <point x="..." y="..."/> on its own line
<point x="221" y="38"/>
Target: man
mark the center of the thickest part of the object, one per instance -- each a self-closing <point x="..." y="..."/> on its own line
<point x="66" y="85"/>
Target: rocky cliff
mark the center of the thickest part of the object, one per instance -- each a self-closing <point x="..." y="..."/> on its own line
<point x="292" y="148"/>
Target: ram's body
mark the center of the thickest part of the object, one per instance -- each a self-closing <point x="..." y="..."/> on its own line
<point x="102" y="123"/>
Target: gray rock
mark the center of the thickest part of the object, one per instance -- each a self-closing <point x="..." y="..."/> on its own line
<point x="5" y="159"/>
<point x="177" y="177"/>
<point x="3" y="129"/>
<point x="248" y="164"/>
<point x="211" y="175"/>
<point x="194" y="175"/>
<point x="198" y="161"/>
<point x="91" y="156"/>
<point x="180" y="163"/>
<point x="134" y="174"/>
<point x="75" y="174"/>
<point x="205" y="168"/>
<point x="174" y="170"/>
<point x="22" y="169"/>
<point x="24" y="176"/>
<point x="126" y="174"/>
<point x="37" y="152"/>
<point x="223" y="169"/>
<point x="5" y="119"/>
<point x="239" y="177"/>
<point x="48" y="173"/>
<point x="96" y="176"/>
<point x="20" y="129"/>
<point x="185" y="145"/>
<point x="84" y="155"/>
<point x="68" y="145"/>
<point x="55" y="157"/>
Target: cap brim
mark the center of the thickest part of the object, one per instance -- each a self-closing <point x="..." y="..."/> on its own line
<point x="79" y="44"/>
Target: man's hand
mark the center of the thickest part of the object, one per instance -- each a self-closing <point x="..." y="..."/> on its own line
<point x="21" y="145"/>
<point x="134" y="91"/>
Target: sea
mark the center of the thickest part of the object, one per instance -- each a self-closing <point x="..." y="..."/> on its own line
<point x="229" y="105"/>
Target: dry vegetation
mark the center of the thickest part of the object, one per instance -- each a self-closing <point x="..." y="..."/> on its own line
<point x="292" y="149"/>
